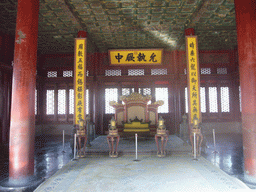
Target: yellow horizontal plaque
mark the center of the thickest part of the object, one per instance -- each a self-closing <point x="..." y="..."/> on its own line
<point x="136" y="57"/>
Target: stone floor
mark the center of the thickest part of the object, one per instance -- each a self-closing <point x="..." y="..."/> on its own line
<point x="228" y="155"/>
<point x="49" y="155"/>
<point x="176" y="172"/>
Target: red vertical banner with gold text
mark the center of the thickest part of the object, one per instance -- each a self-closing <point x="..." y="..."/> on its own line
<point x="80" y="79"/>
<point x="193" y="78"/>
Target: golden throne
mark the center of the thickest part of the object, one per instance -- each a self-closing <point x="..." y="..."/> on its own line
<point x="135" y="115"/>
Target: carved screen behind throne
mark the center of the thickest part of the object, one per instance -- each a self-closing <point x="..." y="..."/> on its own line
<point x="136" y="111"/>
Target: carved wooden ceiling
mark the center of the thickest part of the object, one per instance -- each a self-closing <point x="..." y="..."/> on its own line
<point x="118" y="24"/>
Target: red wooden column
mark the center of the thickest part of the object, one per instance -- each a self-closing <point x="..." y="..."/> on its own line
<point x="22" y="128"/>
<point x="189" y="31"/>
<point x="81" y="34"/>
<point x="175" y="89"/>
<point x="246" y="36"/>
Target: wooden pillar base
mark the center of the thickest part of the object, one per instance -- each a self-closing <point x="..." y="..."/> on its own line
<point x="113" y="141"/>
<point x="161" y="150"/>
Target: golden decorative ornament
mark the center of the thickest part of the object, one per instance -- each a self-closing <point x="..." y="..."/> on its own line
<point x="135" y="97"/>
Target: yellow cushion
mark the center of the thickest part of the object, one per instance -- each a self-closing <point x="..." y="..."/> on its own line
<point x="137" y="125"/>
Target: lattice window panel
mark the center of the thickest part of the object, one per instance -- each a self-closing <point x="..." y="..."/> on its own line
<point x="224" y="98"/>
<point x="213" y="100"/>
<point x="68" y="73"/>
<point x="127" y="91"/>
<point x="135" y="72"/>
<point x="222" y="71"/>
<point x="87" y="101"/>
<point x="36" y="102"/>
<point x="162" y="94"/>
<point x="158" y="71"/>
<point x="205" y="71"/>
<point x="186" y="99"/>
<point x="202" y="99"/>
<point x="145" y="91"/>
<point x="111" y="94"/>
<point x="49" y="102"/>
<point x="112" y="72"/>
<point x="61" y="101"/>
<point x="52" y="74"/>
<point x="71" y="101"/>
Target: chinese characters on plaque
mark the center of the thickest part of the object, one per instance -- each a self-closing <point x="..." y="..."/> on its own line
<point x="140" y="56"/>
<point x="193" y="78"/>
<point x="80" y="79"/>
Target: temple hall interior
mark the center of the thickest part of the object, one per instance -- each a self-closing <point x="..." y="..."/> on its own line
<point x="91" y="87"/>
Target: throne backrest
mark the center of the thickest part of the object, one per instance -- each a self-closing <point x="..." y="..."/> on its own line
<point x="136" y="109"/>
<point x="136" y="106"/>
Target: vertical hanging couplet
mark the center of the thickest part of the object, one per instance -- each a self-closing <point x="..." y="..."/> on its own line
<point x="80" y="79"/>
<point x="193" y="78"/>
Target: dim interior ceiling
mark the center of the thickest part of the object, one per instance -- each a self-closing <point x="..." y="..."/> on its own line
<point x="125" y="24"/>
